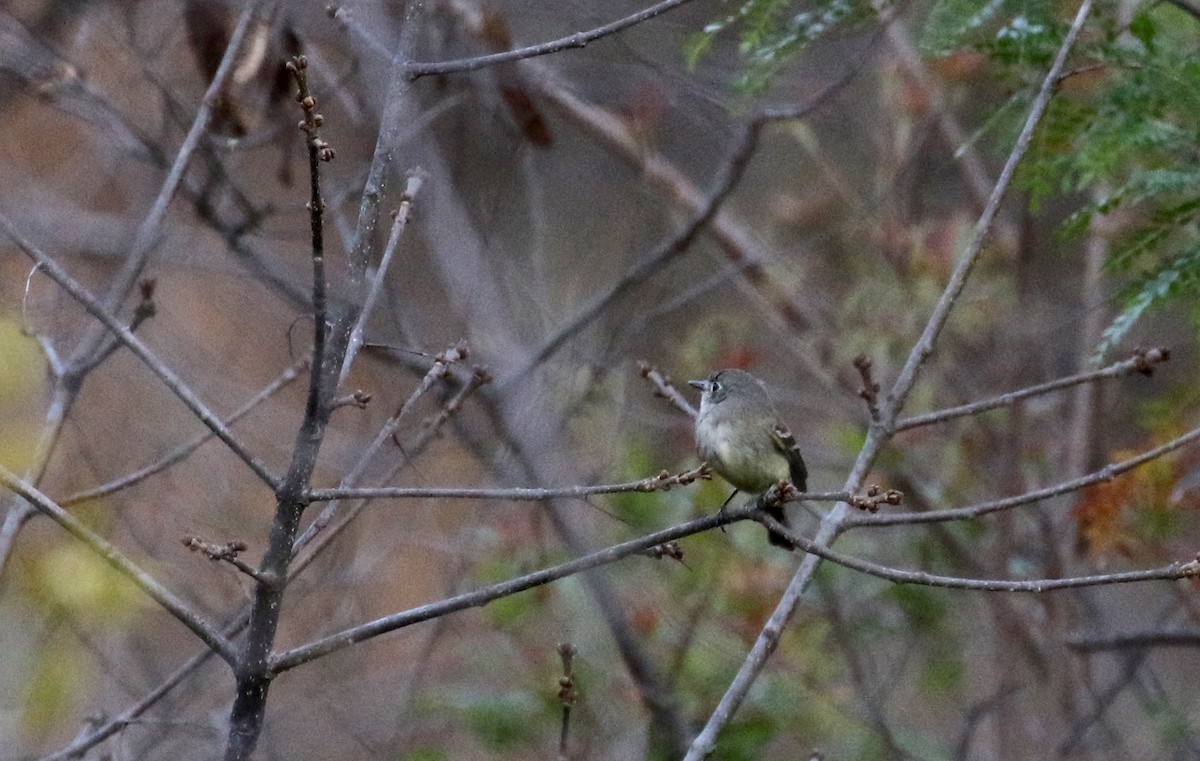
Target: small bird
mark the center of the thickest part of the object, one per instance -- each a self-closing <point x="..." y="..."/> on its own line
<point x="738" y="432"/>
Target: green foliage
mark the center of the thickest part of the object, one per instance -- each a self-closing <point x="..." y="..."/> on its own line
<point x="55" y="681"/>
<point x="925" y="607"/>
<point x="747" y="736"/>
<point x="1122" y="130"/>
<point x="504" y="722"/>
<point x="772" y="32"/>
<point x="1178" y="277"/>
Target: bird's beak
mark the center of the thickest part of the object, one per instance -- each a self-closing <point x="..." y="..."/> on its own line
<point x="700" y="384"/>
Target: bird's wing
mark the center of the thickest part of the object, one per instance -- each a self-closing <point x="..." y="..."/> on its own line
<point x="786" y="443"/>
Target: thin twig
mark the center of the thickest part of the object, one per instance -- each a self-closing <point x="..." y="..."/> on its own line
<point x="1177" y="570"/>
<point x="207" y="633"/>
<point x="1131" y="640"/>
<point x="1143" y="362"/>
<point x="140" y="350"/>
<point x="879" y="433"/>
<point x="567" y="695"/>
<point x="184" y="450"/>
<point x="662" y="482"/>
<point x="482" y="596"/>
<point x="665" y="388"/>
<point x="411" y="187"/>
<point x="416" y="69"/>
<point x="227" y="552"/>
<point x="146" y="237"/>
<point x="1107" y="473"/>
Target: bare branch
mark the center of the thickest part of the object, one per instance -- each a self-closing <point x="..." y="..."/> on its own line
<point x="1107" y="473"/>
<point x="305" y="653"/>
<point x="207" y="633"/>
<point x="1135" y="640"/>
<point x="140" y="350"/>
<point x="1177" y="570"/>
<point x="665" y="387"/>
<point x="400" y="222"/>
<point x="182" y="452"/>
<point x="253" y="681"/>
<point x="1143" y="361"/>
<point x="416" y="69"/>
<point x="227" y="552"/>
<point x="869" y="390"/>
<point x="662" y="482"/>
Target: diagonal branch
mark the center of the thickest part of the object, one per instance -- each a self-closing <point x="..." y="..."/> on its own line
<point x="881" y="431"/>
<point x="183" y="451"/>
<point x="1143" y="362"/>
<point x="411" y="186"/>
<point x="305" y="653"/>
<point x="139" y="349"/>
<point x="145" y="239"/>
<point x="1107" y="473"/>
<point x="123" y="565"/>
<point x="416" y="69"/>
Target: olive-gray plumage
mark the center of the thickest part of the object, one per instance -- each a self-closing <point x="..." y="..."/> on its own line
<point x="738" y="432"/>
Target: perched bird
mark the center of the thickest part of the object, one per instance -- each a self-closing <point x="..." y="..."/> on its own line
<point x="738" y="432"/>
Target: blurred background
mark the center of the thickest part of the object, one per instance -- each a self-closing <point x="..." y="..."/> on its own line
<point x="547" y="183"/>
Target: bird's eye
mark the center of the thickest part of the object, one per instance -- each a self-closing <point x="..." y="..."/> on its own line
<point x="716" y="386"/>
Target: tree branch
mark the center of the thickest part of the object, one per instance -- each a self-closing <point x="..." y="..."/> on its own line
<point x="662" y="482"/>
<point x="184" y="450"/>
<point x="305" y="653"/>
<point x="879" y="433"/>
<point x="1177" y="570"/>
<point x="1107" y="473"/>
<point x="1143" y="362"/>
<point x="1096" y="643"/>
<point x="416" y="70"/>
<point x="140" y="350"/>
<point x="207" y="633"/>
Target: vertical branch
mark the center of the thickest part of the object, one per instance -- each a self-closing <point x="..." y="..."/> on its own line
<point x="567" y="695"/>
<point x="401" y="217"/>
<point x="318" y="151"/>
<point x="881" y="431"/>
<point x="253" y="677"/>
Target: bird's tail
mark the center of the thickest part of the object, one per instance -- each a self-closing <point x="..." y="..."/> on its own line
<point x="774" y="537"/>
